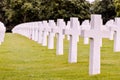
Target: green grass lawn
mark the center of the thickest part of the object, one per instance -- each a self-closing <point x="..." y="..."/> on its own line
<point x="24" y="59"/>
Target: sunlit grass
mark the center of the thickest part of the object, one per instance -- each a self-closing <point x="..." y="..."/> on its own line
<point x="24" y="59"/>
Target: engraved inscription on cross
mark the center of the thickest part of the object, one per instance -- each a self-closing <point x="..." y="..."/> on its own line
<point x="95" y="35"/>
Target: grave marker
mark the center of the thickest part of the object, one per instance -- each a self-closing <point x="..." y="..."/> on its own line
<point x="68" y="27"/>
<point x="45" y="33"/>
<point x="74" y="33"/>
<point x="95" y="35"/>
<point x="60" y="36"/>
<point x="40" y="32"/>
<point x="33" y="31"/>
<point x="109" y="23"/>
<point x="36" y="31"/>
<point x="2" y="32"/>
<point x="86" y="26"/>
<point x="51" y="35"/>
<point x="116" y="29"/>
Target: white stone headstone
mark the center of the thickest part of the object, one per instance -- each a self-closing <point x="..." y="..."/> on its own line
<point x="86" y="26"/>
<point x="40" y="32"/>
<point x="30" y="30"/>
<point x="59" y="31"/>
<point x="116" y="29"/>
<point x="110" y="23"/>
<point x="68" y="27"/>
<point x="33" y="31"/>
<point x="27" y="30"/>
<point x="2" y="32"/>
<point x="103" y="28"/>
<point x="45" y="33"/>
<point x="51" y="36"/>
<point x="74" y="33"/>
<point x="95" y="35"/>
<point x="36" y="31"/>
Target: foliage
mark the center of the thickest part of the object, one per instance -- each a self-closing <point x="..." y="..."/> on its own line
<point x="65" y="9"/>
<point x="117" y="7"/>
<point x="104" y="7"/>
<point x="14" y="12"/>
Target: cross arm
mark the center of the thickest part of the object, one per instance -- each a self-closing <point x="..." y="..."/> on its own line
<point x="87" y="33"/>
<point x="105" y="34"/>
<point x="113" y="27"/>
<point x="67" y="31"/>
<point x="55" y="30"/>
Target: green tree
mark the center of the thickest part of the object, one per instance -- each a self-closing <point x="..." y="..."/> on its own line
<point x="104" y="7"/>
<point x="19" y="11"/>
<point x="117" y="7"/>
<point x="53" y="9"/>
<point x="14" y="12"/>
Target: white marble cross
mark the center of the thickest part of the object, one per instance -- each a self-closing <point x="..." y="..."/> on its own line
<point x="60" y="36"/>
<point x="95" y="35"/>
<point x="116" y="28"/>
<point x="51" y="36"/>
<point x="2" y="32"/>
<point x="40" y="32"/>
<point x="110" y="23"/>
<point x="86" y="26"/>
<point x="74" y="33"/>
<point x="103" y="28"/>
<point x="36" y="31"/>
<point x="27" y="29"/>
<point x="33" y="31"/>
<point x="68" y="27"/>
<point x="45" y="33"/>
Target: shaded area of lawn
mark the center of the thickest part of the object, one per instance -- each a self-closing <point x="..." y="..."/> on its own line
<point x="24" y="59"/>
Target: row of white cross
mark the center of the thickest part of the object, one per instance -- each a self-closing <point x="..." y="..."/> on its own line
<point x="2" y="32"/>
<point x="93" y="30"/>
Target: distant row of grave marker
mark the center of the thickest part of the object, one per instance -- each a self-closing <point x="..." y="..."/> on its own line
<point x="93" y="30"/>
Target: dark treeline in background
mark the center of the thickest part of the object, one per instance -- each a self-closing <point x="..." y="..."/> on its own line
<point x="13" y="12"/>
